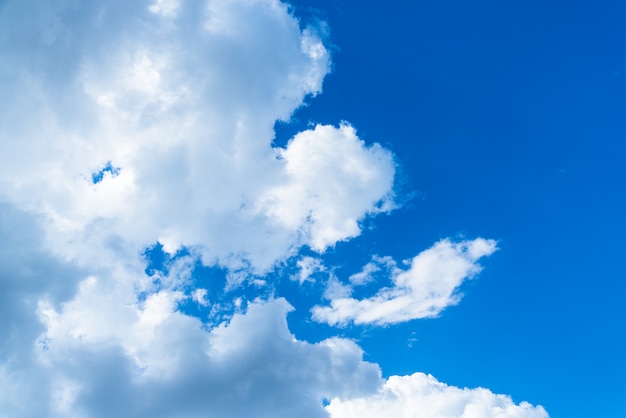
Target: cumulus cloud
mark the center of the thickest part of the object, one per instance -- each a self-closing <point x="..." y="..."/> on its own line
<point x="158" y="362"/>
<point x="74" y="347"/>
<point x="27" y="274"/>
<point x="422" y="396"/>
<point x="179" y="100"/>
<point x="330" y="177"/>
<point x="124" y="124"/>
<point x="426" y="288"/>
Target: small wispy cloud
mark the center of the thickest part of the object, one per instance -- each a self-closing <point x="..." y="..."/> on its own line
<point x="425" y="289"/>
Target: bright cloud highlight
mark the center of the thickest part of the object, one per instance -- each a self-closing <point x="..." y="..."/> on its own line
<point x="422" y="396"/>
<point x="182" y="105"/>
<point x="331" y="178"/>
<point x="423" y="291"/>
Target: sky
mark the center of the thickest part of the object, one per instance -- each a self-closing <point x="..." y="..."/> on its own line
<point x="252" y="208"/>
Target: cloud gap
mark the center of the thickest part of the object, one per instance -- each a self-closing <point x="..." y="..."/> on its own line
<point x="108" y="170"/>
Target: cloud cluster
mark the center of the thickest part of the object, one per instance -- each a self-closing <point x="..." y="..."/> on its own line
<point x="426" y="288"/>
<point x="159" y="362"/>
<point x="422" y="396"/>
<point x="124" y="124"/>
<point x="89" y="347"/>
<point x="177" y="100"/>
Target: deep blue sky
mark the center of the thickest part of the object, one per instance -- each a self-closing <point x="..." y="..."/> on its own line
<point x="507" y="118"/>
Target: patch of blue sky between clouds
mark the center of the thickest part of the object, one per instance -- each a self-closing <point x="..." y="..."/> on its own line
<point x="107" y="170"/>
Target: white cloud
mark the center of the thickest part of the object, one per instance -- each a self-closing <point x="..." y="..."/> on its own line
<point x="185" y="109"/>
<point x="155" y="361"/>
<point x="181" y="99"/>
<point x="423" y="396"/>
<point x="423" y="291"/>
<point x="102" y="352"/>
<point x="307" y="267"/>
<point x="200" y="297"/>
<point x="167" y="8"/>
<point x="27" y="273"/>
<point x="370" y="270"/>
<point x="331" y="177"/>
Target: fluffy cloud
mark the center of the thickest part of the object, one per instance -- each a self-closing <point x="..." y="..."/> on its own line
<point x="158" y="362"/>
<point x="423" y="396"/>
<point x="90" y="347"/>
<point x="330" y="177"/>
<point x="181" y="99"/>
<point x="127" y="123"/>
<point x="123" y="124"/>
<point x="428" y="286"/>
<point x="27" y="273"/>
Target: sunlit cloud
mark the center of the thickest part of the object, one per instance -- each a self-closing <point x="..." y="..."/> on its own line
<point x="131" y="129"/>
<point x="426" y="288"/>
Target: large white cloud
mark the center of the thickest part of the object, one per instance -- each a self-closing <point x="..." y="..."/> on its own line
<point x="126" y="123"/>
<point x="74" y="347"/>
<point x="155" y="361"/>
<point x="426" y="288"/>
<point x="422" y="396"/>
<point x="180" y="98"/>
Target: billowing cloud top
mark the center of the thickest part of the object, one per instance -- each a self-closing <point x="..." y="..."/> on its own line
<point x="423" y="396"/>
<point x="126" y="124"/>
<point x="181" y="100"/>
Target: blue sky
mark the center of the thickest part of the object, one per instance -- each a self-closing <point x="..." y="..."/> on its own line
<point x="507" y="118"/>
<point x="236" y="208"/>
